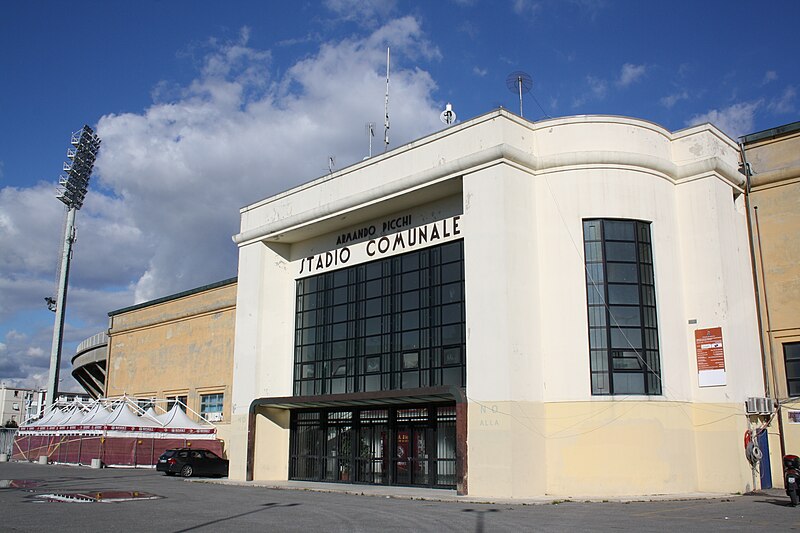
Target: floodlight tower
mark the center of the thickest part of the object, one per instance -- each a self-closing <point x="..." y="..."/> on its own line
<point x="72" y="190"/>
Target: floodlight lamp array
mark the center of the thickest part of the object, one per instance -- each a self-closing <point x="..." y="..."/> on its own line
<point x="75" y="180"/>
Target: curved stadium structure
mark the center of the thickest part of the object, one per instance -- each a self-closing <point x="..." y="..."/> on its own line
<point x="89" y="364"/>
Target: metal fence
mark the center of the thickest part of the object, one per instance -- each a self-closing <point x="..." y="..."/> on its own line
<point x="7" y="440"/>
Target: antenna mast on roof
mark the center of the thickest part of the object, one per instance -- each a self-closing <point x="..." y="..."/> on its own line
<point x="386" y="107"/>
<point x="519" y="82"/>
<point x="370" y="134"/>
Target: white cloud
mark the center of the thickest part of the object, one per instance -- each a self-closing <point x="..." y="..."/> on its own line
<point x="526" y="7"/>
<point x="785" y="102"/>
<point x="597" y="88"/>
<point x="769" y="76"/>
<point x="735" y="120"/>
<point x="366" y="12"/>
<point x="670" y="100"/>
<point x="630" y="73"/>
<point x="169" y="182"/>
<point x="480" y="71"/>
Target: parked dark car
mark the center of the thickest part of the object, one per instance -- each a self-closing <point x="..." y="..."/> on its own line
<point x="190" y="462"/>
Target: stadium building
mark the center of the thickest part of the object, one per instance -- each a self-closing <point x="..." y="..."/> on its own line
<point x="507" y="308"/>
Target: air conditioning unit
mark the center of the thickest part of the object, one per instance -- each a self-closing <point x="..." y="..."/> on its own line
<point x="214" y="417"/>
<point x="759" y="406"/>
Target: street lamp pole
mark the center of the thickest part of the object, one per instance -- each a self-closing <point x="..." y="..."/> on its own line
<point x="72" y="190"/>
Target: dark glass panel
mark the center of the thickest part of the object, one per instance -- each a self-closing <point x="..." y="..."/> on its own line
<point x="594" y="273"/>
<point x="410" y="281"/>
<point x="626" y="361"/>
<point x="410" y="320"/>
<point x="791" y="350"/>
<point x="599" y="360"/>
<point x="451" y="252"/>
<point x="410" y="360"/>
<point x="340" y="278"/>
<point x="625" y="338"/>
<point x="620" y="251"/>
<point x="451" y="314"/>
<point x="623" y="294"/>
<point x="597" y="315"/>
<point x="451" y="293"/>
<point x="624" y="315"/>
<point x="410" y="340"/>
<point x="373" y="364"/>
<point x="618" y="230"/>
<point x="628" y="383"/>
<point x="622" y="272"/>
<point x="451" y="272"/>
<point x="591" y="230"/>
<point x="600" y="383"/>
<point x="451" y="355"/>
<point x="410" y="300"/>
<point x="452" y="376"/>
<point x="451" y="334"/>
<point x="597" y="338"/>
<point x="593" y="251"/>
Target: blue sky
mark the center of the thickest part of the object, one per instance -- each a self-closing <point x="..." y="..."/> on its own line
<point x="204" y="107"/>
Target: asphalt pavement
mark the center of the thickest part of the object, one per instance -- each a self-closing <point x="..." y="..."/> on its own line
<point x="37" y="497"/>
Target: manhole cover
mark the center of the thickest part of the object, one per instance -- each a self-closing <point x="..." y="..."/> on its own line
<point x="18" y="483"/>
<point x="108" y="496"/>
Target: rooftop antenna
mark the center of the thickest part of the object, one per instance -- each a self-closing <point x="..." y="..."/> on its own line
<point x="386" y="107"/>
<point x="519" y="82"/>
<point x="448" y="116"/>
<point x="370" y="134"/>
<point x="331" y="164"/>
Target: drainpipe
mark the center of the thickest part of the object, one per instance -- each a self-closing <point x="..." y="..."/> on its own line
<point x="750" y="238"/>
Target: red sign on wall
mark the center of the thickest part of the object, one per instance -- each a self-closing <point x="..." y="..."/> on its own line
<point x="710" y="356"/>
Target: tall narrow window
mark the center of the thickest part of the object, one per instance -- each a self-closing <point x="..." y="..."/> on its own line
<point x="791" y="354"/>
<point x="621" y="297"/>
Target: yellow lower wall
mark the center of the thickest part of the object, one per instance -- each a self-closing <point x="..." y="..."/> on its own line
<point x="602" y="449"/>
<point x="571" y="449"/>
<point x="237" y="448"/>
<point x="272" y="445"/>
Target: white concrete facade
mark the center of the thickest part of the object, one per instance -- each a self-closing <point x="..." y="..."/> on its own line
<point x="518" y="192"/>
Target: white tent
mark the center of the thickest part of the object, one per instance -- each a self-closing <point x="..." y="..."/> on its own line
<point x="96" y="416"/>
<point x="176" y="418"/>
<point x="53" y="418"/>
<point x="151" y="414"/>
<point x="123" y="416"/>
<point x="74" y="416"/>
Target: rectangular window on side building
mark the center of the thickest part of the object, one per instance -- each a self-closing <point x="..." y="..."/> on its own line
<point x="210" y="405"/>
<point x="791" y="355"/>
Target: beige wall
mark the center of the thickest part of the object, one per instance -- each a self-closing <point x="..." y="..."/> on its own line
<point x="176" y="346"/>
<point x="775" y="221"/>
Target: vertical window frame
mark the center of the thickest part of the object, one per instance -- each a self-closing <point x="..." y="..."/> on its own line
<point x="605" y="329"/>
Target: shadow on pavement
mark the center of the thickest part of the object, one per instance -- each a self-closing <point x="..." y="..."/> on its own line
<point x="266" y="507"/>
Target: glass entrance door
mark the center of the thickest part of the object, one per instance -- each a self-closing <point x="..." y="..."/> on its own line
<point x="412" y="458"/>
<point x="390" y="446"/>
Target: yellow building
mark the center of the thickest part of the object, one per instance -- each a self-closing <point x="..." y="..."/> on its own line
<point x="177" y="348"/>
<point x="772" y="158"/>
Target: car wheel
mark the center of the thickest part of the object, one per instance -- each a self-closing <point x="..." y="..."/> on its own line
<point x="186" y="471"/>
